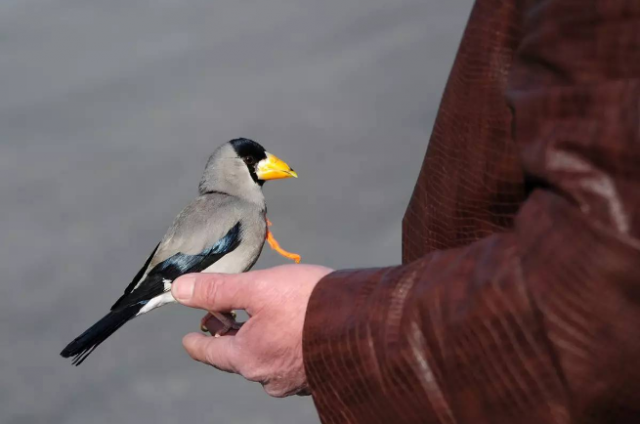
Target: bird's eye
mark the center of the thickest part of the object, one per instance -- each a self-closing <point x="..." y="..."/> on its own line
<point x="249" y="160"/>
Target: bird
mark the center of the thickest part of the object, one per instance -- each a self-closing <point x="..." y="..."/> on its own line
<point x="223" y="231"/>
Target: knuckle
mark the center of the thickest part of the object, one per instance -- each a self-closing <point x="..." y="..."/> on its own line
<point x="259" y="283"/>
<point x="209" y="357"/>
<point x="210" y="292"/>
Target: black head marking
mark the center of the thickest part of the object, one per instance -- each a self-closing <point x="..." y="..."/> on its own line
<point x="251" y="153"/>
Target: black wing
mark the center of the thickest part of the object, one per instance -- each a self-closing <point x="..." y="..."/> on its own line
<point x="175" y="266"/>
<point x="140" y="273"/>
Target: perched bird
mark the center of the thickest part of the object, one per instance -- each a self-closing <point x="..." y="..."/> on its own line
<point x="223" y="230"/>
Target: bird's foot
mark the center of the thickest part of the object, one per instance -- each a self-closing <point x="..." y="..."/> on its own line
<point x="227" y="320"/>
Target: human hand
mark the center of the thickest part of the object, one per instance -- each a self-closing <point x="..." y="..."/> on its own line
<point x="268" y="347"/>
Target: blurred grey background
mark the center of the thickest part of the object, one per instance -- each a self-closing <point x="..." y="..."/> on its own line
<point x="108" y="111"/>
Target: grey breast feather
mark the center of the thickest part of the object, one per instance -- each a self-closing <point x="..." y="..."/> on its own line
<point x="205" y="221"/>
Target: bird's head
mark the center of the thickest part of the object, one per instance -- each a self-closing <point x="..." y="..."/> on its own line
<point x="262" y="165"/>
<point x="240" y="167"/>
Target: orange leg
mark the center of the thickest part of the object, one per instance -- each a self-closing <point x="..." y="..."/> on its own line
<point x="276" y="246"/>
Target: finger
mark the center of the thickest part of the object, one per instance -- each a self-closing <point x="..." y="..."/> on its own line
<point x="214" y="292"/>
<point x="219" y="352"/>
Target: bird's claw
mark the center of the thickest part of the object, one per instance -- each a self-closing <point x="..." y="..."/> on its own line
<point x="227" y="319"/>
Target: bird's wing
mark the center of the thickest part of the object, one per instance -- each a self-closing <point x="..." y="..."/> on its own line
<point x="205" y="231"/>
<point x="140" y="273"/>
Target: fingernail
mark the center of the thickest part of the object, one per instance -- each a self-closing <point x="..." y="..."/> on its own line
<point x="184" y="287"/>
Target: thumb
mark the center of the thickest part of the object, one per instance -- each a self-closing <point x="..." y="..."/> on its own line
<point x="213" y="292"/>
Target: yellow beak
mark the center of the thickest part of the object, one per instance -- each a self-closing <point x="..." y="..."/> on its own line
<point x="273" y="168"/>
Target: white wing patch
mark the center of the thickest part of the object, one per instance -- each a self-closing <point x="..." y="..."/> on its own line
<point x="157" y="302"/>
<point x="167" y="284"/>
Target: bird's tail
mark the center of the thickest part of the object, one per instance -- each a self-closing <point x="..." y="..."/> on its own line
<point x="86" y="342"/>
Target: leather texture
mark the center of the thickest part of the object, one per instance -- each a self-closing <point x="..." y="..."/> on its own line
<point x="518" y="300"/>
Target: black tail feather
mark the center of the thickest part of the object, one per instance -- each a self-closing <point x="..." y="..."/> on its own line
<point x="85" y="343"/>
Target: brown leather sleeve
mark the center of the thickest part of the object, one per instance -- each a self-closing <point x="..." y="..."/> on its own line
<point x="535" y="320"/>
